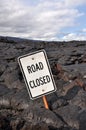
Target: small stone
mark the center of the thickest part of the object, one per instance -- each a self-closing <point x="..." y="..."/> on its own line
<point x="84" y="76"/>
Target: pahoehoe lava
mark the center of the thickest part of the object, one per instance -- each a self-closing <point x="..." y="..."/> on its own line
<point x="67" y="105"/>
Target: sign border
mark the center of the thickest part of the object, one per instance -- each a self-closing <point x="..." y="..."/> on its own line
<point x="29" y="54"/>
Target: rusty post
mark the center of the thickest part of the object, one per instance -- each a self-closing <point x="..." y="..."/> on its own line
<point x="45" y="102"/>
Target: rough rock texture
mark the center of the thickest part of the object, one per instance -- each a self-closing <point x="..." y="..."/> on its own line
<point x="67" y="104"/>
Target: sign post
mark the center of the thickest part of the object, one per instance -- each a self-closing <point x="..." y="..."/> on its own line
<point x="37" y="75"/>
<point x="45" y="102"/>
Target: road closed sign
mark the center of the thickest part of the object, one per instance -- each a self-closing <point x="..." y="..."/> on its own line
<point x="37" y="74"/>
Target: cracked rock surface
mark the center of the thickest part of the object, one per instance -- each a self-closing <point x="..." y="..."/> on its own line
<point x="67" y="105"/>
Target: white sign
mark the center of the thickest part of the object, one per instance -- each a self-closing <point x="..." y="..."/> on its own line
<point x="37" y="74"/>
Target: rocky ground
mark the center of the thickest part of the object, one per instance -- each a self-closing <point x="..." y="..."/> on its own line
<point x="67" y="105"/>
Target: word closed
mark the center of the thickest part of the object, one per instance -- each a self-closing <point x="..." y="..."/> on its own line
<point x="37" y="74"/>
